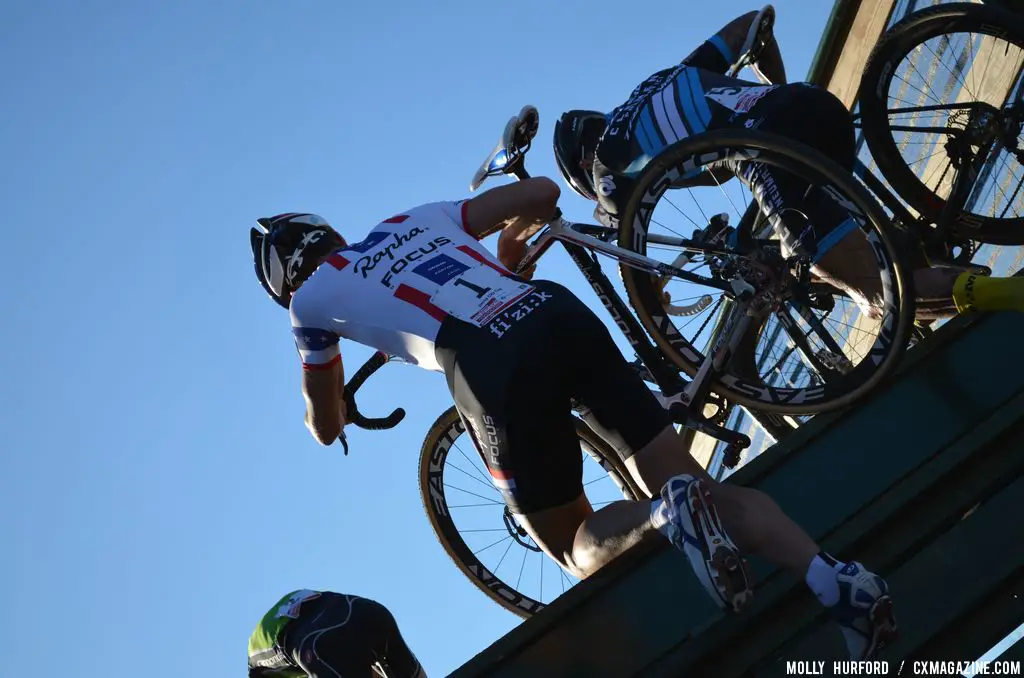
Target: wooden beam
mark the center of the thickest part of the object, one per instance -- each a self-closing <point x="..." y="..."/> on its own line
<point x="870" y="20"/>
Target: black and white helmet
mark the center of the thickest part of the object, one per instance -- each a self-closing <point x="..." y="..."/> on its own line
<point x="287" y="248"/>
<point x="577" y="134"/>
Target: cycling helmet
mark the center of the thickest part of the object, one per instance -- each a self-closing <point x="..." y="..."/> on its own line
<point x="577" y="133"/>
<point x="286" y="249"/>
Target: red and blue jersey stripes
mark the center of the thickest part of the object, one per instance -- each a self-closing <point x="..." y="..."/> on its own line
<point x="392" y="290"/>
<point x="420" y="300"/>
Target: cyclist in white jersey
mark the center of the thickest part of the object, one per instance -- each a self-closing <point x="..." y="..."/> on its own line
<point x="515" y="353"/>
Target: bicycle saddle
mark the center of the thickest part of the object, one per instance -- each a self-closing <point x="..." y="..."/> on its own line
<point x="515" y="140"/>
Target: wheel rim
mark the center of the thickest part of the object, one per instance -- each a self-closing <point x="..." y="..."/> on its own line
<point x="482" y="536"/>
<point x="950" y="95"/>
<point x="821" y="388"/>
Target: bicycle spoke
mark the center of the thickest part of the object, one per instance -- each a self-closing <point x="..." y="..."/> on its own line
<point x="690" y="219"/>
<point x="704" y="216"/>
<point x="478" y="496"/>
<point x="484" y="532"/>
<point x="502" y="559"/>
<point x="466" y="457"/>
<point x="542" y="556"/>
<point x="506" y="538"/>
<point x="471" y="476"/>
<point x="521" y="567"/>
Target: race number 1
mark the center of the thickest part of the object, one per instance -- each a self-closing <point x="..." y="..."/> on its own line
<point x="480" y="291"/>
<point x="472" y="294"/>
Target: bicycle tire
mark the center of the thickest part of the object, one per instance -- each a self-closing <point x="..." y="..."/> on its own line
<point x="433" y="454"/>
<point x="895" y="45"/>
<point x="718" y="145"/>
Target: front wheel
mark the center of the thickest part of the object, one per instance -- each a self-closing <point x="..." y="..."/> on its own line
<point x="481" y="536"/>
<point x="815" y="351"/>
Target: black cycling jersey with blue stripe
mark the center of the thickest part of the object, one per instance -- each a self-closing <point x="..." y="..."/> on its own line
<point x="673" y="104"/>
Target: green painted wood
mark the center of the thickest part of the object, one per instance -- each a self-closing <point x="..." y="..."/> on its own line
<point x="940" y="584"/>
<point x="884" y="534"/>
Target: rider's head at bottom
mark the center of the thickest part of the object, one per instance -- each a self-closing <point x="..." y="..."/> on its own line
<point x="577" y="134"/>
<point x="287" y="248"/>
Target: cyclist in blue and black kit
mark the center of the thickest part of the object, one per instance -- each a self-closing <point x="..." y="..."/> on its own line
<point x="601" y="155"/>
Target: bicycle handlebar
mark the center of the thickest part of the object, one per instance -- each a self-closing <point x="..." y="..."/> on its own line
<point x="354" y="416"/>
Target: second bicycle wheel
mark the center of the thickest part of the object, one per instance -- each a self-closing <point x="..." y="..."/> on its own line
<point x="941" y="90"/>
<point x="477" y="531"/>
<point x="816" y="351"/>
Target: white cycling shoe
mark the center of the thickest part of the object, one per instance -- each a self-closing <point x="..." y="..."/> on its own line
<point x="694" y="528"/>
<point x="864" y="611"/>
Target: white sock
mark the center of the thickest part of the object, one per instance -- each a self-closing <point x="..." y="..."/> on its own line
<point x="821" y="579"/>
<point x="659" y="516"/>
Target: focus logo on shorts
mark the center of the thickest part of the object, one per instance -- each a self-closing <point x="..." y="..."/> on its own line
<point x="487" y="439"/>
<point x="491" y="436"/>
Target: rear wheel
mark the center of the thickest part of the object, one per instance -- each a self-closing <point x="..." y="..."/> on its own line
<point x="815" y="351"/>
<point x="479" y="533"/>
<point x="942" y="91"/>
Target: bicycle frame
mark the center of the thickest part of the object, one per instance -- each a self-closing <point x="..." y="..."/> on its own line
<point x="683" y="398"/>
<point x="588" y="236"/>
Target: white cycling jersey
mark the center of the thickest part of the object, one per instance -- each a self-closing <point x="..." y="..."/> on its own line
<point x="393" y="290"/>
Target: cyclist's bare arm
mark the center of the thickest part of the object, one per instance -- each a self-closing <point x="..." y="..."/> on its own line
<point x="518" y="210"/>
<point x="734" y="34"/>
<point x="322" y="389"/>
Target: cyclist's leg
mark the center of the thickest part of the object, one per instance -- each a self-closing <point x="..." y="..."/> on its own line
<point x="515" y="397"/>
<point x="630" y="418"/>
<point x="517" y="413"/>
<point x="391" y="650"/>
<point x="815" y="117"/>
<point x="347" y="635"/>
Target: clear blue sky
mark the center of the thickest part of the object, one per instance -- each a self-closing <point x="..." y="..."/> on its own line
<point x="158" y="488"/>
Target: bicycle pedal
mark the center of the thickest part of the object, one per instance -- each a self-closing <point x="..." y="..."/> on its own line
<point x="731" y="456"/>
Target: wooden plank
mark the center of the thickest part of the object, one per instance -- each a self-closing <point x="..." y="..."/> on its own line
<point x="944" y="580"/>
<point x="869" y="22"/>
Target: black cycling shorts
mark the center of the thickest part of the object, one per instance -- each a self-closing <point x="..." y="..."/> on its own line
<point x="815" y="117"/>
<point x="345" y="635"/>
<point x="514" y="381"/>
